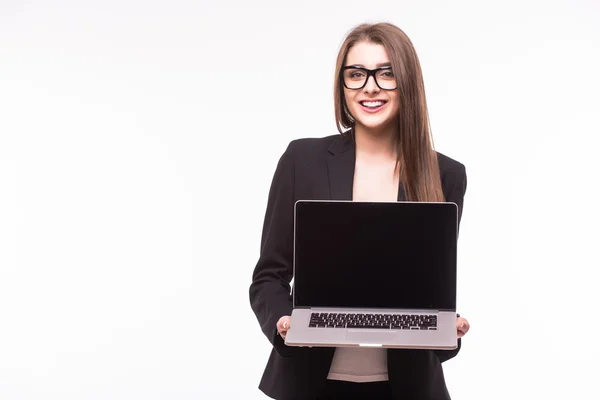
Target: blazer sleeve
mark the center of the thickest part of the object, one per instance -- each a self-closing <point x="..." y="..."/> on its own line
<point x="270" y="296"/>
<point x="456" y="182"/>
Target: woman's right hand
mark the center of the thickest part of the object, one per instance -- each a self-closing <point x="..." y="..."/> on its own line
<point x="283" y="325"/>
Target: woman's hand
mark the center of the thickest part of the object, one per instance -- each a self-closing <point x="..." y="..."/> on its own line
<point x="462" y="326"/>
<point x="283" y="325"/>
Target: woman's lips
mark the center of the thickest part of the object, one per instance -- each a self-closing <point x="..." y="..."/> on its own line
<point x="372" y="106"/>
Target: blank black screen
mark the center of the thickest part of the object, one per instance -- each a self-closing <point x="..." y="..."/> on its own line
<point x="380" y="255"/>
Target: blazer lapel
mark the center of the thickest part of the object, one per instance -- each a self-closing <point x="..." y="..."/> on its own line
<point x="401" y="193"/>
<point x="340" y="165"/>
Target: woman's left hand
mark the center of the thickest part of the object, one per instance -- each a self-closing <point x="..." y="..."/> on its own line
<point x="462" y="326"/>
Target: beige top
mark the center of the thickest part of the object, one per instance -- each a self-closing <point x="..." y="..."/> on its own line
<point x="359" y="365"/>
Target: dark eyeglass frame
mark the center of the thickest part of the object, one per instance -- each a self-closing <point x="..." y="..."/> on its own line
<point x="370" y="73"/>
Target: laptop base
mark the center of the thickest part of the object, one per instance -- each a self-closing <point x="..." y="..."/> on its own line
<point x="441" y="335"/>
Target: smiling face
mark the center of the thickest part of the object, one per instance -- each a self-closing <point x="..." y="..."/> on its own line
<point x="373" y="108"/>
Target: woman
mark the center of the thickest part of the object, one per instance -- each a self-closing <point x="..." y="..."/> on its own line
<point x="383" y="153"/>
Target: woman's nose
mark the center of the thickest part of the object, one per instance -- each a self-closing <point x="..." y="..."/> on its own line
<point x="371" y="85"/>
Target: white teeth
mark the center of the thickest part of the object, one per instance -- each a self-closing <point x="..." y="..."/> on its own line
<point x="373" y="104"/>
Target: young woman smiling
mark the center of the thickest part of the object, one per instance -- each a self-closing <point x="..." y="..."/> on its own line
<point x="383" y="152"/>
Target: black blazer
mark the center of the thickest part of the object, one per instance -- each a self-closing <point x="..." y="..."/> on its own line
<point x="316" y="169"/>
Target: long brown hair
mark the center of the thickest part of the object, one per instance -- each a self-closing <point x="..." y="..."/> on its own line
<point x="417" y="160"/>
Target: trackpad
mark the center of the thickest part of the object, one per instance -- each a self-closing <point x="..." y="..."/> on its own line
<point x="370" y="336"/>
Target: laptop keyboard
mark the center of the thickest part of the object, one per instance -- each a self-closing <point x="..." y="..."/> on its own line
<point x="373" y="321"/>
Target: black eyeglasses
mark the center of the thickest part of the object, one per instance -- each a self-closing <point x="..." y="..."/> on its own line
<point x="355" y="78"/>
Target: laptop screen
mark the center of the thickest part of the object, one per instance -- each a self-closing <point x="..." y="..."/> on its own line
<point x="379" y="255"/>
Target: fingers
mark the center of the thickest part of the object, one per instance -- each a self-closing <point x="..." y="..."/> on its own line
<point x="462" y="326"/>
<point x="283" y="325"/>
<point x="461" y="331"/>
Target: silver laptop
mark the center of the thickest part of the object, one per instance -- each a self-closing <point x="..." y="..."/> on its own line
<point x="374" y="275"/>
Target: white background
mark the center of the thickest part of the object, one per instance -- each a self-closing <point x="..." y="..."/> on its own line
<point x="138" y="140"/>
